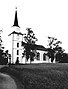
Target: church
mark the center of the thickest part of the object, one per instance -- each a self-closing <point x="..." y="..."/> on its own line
<point x="18" y="43"/>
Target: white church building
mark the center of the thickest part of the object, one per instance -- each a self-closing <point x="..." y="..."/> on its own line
<point x="18" y="43"/>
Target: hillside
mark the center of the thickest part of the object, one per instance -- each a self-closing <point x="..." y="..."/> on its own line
<point x="39" y="76"/>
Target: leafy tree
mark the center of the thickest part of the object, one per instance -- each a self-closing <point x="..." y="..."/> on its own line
<point x="64" y="58"/>
<point x="4" y="55"/>
<point x="30" y="37"/>
<point x="30" y="40"/>
<point x="55" y="51"/>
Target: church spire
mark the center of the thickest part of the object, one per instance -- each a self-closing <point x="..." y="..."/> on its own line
<point x="16" y="19"/>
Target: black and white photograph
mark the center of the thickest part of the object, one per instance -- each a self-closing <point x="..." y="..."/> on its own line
<point x="33" y="44"/>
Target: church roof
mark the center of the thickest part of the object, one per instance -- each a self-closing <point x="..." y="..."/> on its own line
<point x="19" y="33"/>
<point x="34" y="47"/>
<point x="16" y="19"/>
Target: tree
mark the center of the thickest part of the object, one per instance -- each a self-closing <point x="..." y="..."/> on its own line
<point x="54" y="49"/>
<point x="4" y="55"/>
<point x="8" y="56"/>
<point x="30" y="37"/>
<point x="64" y="58"/>
<point x="30" y="40"/>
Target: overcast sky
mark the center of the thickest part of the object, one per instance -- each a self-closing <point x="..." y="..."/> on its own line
<point x="45" y="17"/>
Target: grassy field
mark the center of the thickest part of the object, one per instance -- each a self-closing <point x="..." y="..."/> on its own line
<point x="39" y="76"/>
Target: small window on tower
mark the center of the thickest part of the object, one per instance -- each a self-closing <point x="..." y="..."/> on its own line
<point x="17" y="44"/>
<point x="17" y="52"/>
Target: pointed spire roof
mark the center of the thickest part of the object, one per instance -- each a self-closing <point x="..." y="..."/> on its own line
<point x="16" y="19"/>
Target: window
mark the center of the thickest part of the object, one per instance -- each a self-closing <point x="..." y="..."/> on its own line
<point x="38" y="56"/>
<point x="17" y="52"/>
<point x="44" y="56"/>
<point x="17" y="44"/>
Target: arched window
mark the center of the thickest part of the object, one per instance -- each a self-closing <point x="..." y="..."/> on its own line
<point x="38" y="56"/>
<point x="44" y="57"/>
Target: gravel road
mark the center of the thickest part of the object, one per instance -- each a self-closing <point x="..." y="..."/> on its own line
<point x="6" y="82"/>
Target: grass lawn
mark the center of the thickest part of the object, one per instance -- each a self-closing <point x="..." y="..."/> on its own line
<point x="39" y="76"/>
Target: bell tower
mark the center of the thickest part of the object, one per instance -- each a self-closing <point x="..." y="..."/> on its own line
<point x="17" y="38"/>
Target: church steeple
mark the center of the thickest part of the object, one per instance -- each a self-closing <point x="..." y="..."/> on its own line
<point x="16" y="19"/>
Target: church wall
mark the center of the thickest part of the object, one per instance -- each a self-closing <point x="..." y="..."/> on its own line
<point x="15" y="38"/>
<point x="41" y="54"/>
<point x="47" y="60"/>
<point x="19" y="49"/>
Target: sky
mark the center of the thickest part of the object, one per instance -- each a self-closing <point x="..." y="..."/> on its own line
<point x="45" y="17"/>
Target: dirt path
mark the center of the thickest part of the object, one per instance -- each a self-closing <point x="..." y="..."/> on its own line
<point x="6" y="82"/>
